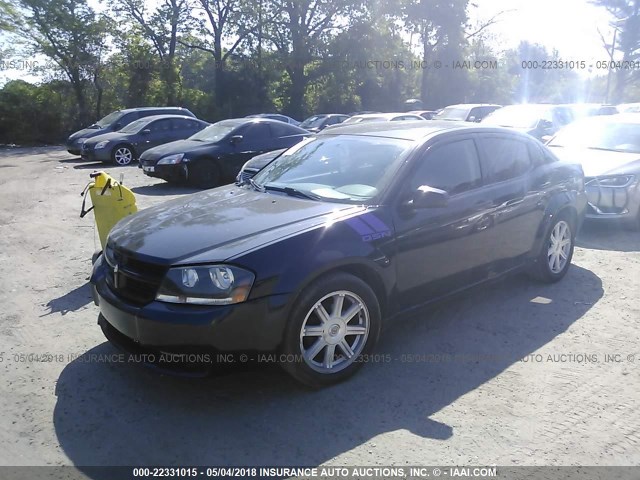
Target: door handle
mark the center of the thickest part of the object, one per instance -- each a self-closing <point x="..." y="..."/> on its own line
<point x="514" y="202"/>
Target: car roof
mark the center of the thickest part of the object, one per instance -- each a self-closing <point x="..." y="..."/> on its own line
<point x="382" y="115"/>
<point x="151" y="118"/>
<point x="241" y="121"/>
<point x="146" y="109"/>
<point x="632" y="118"/>
<point x="411" y="130"/>
<point x="473" y="105"/>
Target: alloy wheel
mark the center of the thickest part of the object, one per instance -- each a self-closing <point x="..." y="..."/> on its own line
<point x="123" y="156"/>
<point x="559" y="247"/>
<point x="334" y="332"/>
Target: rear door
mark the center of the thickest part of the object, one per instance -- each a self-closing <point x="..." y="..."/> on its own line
<point x="443" y="249"/>
<point x="506" y="166"/>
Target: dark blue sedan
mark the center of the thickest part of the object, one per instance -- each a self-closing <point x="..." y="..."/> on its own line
<point x="339" y="233"/>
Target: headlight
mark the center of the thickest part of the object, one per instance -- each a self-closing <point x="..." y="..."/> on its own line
<point x="616" y="180"/>
<point x="102" y="144"/>
<point x="171" y="159"/>
<point x="206" y="285"/>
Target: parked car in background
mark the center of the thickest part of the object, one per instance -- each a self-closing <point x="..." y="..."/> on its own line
<point x="628" y="107"/>
<point x="338" y="233"/>
<point x="380" y="117"/>
<point x="316" y="123"/>
<point x="215" y="155"/>
<point x="538" y="120"/>
<point x="581" y="110"/>
<point x="426" y="114"/>
<point x="116" y="120"/>
<point x="466" y="112"/>
<point x="257" y="163"/>
<point x="275" y="116"/>
<point x="127" y="144"/>
<point x="608" y="148"/>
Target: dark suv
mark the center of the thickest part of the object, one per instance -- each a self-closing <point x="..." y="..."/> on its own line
<point x="355" y="225"/>
<point x="115" y="121"/>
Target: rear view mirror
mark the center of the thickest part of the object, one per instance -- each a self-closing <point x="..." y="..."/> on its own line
<point x="235" y="139"/>
<point x="429" y="197"/>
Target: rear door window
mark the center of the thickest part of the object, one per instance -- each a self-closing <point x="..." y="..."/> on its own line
<point x="504" y="158"/>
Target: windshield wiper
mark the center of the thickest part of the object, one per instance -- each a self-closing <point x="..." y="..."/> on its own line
<point x="293" y="192"/>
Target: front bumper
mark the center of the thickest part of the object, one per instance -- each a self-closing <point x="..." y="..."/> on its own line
<point x="613" y="203"/>
<point x="255" y="325"/>
<point x="90" y="155"/>
<point x="176" y="173"/>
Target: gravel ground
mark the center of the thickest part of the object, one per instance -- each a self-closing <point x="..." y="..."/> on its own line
<point x="512" y="373"/>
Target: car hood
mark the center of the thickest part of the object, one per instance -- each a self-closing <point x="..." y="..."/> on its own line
<point x="179" y="146"/>
<point x="599" y="162"/>
<point x="218" y="224"/>
<point x="86" y="133"/>
<point x="111" y="136"/>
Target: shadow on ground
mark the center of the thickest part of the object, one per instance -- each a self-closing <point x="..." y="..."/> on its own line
<point x="71" y="301"/>
<point x="608" y="236"/>
<point x="119" y="414"/>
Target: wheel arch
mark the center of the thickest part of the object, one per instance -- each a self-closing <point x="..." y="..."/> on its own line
<point x="359" y="269"/>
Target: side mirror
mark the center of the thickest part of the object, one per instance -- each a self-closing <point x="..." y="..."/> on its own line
<point x="146" y="131"/>
<point x="429" y="197"/>
<point x="235" y="139"/>
<point x="546" y="139"/>
<point x="117" y="126"/>
<point x="472" y="119"/>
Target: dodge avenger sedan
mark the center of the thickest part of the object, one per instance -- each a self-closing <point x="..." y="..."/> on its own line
<point x="341" y="231"/>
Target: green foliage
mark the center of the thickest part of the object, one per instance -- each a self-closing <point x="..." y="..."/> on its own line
<point x="230" y="58"/>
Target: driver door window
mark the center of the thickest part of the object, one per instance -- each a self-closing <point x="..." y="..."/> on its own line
<point x="453" y="167"/>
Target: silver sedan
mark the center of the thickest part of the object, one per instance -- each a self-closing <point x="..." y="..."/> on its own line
<point x="608" y="148"/>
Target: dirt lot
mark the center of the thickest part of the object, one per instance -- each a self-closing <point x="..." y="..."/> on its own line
<point x="511" y="374"/>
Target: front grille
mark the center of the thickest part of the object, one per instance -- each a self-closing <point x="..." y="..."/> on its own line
<point x="131" y="279"/>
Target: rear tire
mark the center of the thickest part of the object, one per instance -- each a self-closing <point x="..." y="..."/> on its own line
<point x="556" y="253"/>
<point x="333" y="325"/>
<point x="203" y="173"/>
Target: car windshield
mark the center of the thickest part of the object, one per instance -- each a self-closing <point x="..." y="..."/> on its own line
<point x="109" y="119"/>
<point x="135" y="127"/>
<point x="344" y="168"/>
<point x="312" y="122"/>
<point x="515" y="116"/>
<point x="215" y="132"/>
<point x="453" y="113"/>
<point x="600" y="135"/>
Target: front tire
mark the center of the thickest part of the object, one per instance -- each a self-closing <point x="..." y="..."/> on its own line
<point x="556" y="253"/>
<point x="122" y="155"/>
<point x="335" y="322"/>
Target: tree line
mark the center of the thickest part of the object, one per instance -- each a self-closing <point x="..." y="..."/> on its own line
<point x="229" y="58"/>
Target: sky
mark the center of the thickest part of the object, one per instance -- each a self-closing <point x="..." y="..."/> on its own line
<point x="570" y="26"/>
